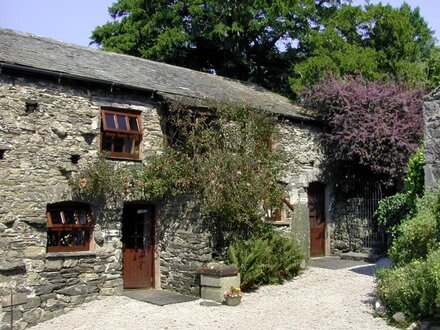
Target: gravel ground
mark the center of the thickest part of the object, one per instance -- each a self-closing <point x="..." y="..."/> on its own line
<point x="318" y="299"/>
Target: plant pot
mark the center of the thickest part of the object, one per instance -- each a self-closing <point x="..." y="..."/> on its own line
<point x="232" y="301"/>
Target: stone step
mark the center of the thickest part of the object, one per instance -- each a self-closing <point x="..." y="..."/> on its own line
<point x="361" y="256"/>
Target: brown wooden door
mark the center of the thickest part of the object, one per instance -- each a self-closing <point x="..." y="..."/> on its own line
<point x="138" y="246"/>
<point x="316" y="195"/>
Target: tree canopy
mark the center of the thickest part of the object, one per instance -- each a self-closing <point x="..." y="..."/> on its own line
<point x="240" y="39"/>
<point x="377" y="41"/>
<point x="282" y="45"/>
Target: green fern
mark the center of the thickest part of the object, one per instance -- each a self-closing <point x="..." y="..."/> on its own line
<point x="265" y="260"/>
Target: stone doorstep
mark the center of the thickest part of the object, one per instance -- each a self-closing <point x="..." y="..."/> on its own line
<point x="360" y="256"/>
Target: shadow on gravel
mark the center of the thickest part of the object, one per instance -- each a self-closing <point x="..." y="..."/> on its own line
<point x="158" y="297"/>
<point x="334" y="263"/>
<point x="371" y="269"/>
<point x="364" y="270"/>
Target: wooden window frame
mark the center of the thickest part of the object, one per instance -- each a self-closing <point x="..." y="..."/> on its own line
<point x="276" y="214"/>
<point x="112" y="131"/>
<point x="54" y="228"/>
<point x="273" y="215"/>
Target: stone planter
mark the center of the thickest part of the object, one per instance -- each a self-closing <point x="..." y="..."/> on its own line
<point x="232" y="301"/>
<point x="216" y="281"/>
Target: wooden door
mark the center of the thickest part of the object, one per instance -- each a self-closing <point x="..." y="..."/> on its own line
<point x="138" y="246"/>
<point x="316" y="195"/>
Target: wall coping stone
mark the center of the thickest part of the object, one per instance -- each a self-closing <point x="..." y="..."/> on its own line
<point x="219" y="271"/>
<point x="75" y="254"/>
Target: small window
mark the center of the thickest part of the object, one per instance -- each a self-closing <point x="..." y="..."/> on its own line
<point x="69" y="227"/>
<point x="121" y="133"/>
<point x="273" y="214"/>
<point x="279" y="213"/>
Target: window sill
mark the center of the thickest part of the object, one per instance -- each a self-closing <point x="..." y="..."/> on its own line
<point x="279" y="223"/>
<point x="73" y="254"/>
<point x="136" y="160"/>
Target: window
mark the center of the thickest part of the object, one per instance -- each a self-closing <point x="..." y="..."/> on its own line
<point x="279" y="213"/>
<point x="69" y="227"/>
<point x="274" y="214"/>
<point x="121" y="133"/>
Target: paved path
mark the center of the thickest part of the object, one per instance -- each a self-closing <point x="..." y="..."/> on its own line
<point x="320" y="298"/>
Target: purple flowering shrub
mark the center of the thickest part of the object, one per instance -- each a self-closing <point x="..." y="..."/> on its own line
<point x="371" y="124"/>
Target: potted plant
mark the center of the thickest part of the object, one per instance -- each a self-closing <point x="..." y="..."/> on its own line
<point x="233" y="296"/>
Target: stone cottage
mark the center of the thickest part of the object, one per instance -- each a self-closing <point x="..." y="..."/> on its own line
<point x="60" y="106"/>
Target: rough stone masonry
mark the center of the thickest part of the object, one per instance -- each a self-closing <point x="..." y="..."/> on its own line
<point x="50" y="126"/>
<point x="431" y="114"/>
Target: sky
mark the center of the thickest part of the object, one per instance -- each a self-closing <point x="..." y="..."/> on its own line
<point x="74" y="20"/>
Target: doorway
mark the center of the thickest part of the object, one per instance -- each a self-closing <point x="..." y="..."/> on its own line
<point x="316" y="204"/>
<point x="138" y="246"/>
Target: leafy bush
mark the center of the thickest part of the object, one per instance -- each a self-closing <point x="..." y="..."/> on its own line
<point x="413" y="289"/>
<point x="89" y="183"/>
<point x="375" y="125"/>
<point x="267" y="260"/>
<point x="391" y="211"/>
<point x="394" y="209"/>
<point x="413" y="286"/>
<point x="417" y="235"/>
<point x="415" y="176"/>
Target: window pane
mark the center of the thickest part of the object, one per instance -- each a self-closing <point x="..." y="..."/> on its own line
<point x="79" y="237"/>
<point x="52" y="238"/>
<point x="69" y="218"/>
<point x="118" y="144"/>
<point x="122" y="124"/>
<point x="129" y="146"/>
<point x="82" y="217"/>
<point x="110" y="120"/>
<point x="56" y="217"/>
<point x="71" y="238"/>
<point x="133" y="124"/>
<point x="107" y="143"/>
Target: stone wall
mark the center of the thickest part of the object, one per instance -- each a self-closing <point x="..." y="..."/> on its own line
<point x="36" y="163"/>
<point x="431" y="113"/>
<point x="301" y="145"/>
<point x="185" y="244"/>
<point x="34" y="170"/>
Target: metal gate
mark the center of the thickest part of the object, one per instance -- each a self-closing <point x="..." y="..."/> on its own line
<point x="363" y="231"/>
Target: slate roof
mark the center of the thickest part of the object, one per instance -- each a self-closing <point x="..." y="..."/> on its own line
<point x="171" y="82"/>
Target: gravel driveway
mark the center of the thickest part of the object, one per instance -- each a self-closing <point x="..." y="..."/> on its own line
<point x="318" y="299"/>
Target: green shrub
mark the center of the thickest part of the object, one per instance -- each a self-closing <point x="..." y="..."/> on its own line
<point x="413" y="289"/>
<point x="417" y="235"/>
<point x="267" y="260"/>
<point x="392" y="210"/>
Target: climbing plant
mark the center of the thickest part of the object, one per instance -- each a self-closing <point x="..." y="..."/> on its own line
<point x="220" y="154"/>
